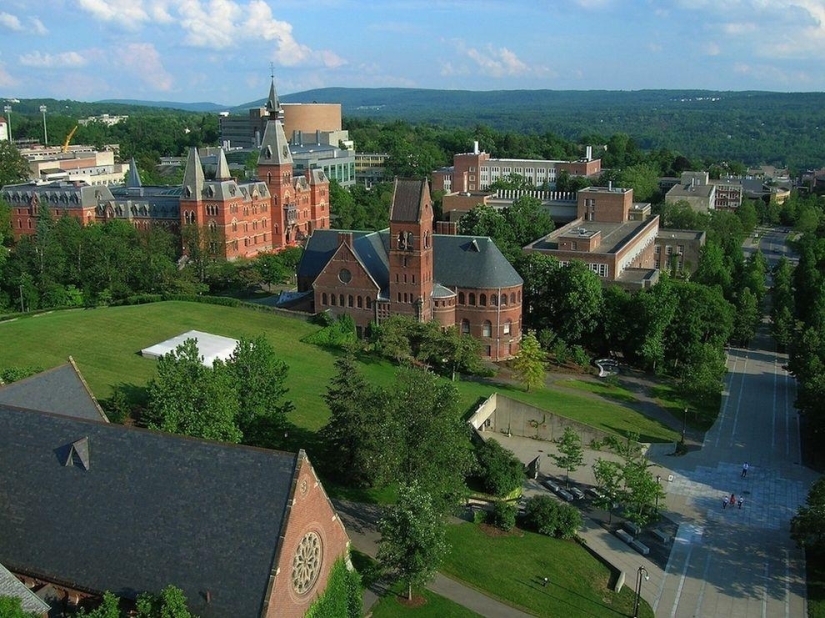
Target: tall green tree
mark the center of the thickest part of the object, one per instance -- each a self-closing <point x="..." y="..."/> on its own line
<point x="608" y="475"/>
<point x="413" y="538"/>
<point x="13" y="166"/>
<point x="258" y="377"/>
<point x="570" y="452"/>
<point x="186" y="397"/>
<point x="528" y="366"/>
<point x="10" y="607"/>
<point x="808" y="525"/>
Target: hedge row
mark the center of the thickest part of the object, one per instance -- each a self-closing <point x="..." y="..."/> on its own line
<point x="343" y="597"/>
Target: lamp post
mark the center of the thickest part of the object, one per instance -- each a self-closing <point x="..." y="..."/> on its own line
<point x="45" y="130"/>
<point x="639" y="572"/>
<point x="658" y="489"/>
<point x="684" y="426"/>
<point x="7" y="110"/>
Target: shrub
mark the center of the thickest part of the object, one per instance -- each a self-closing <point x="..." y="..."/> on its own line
<point x="504" y="515"/>
<point x="342" y="597"/>
<point x="13" y="374"/>
<point x="339" y="334"/>
<point x="561" y="352"/>
<point x="580" y="357"/>
<point x="501" y="470"/>
<point x="547" y="516"/>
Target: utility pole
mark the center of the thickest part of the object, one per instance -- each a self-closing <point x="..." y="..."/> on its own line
<point x="7" y="110"/>
<point x="45" y="130"/>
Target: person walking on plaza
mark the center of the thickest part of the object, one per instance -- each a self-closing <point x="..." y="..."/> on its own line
<point x="745" y="467"/>
<point x="724" y="502"/>
<point x="732" y="500"/>
<point x="741" y="500"/>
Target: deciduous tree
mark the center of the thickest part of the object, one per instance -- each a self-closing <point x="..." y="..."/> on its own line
<point x="571" y="453"/>
<point x="528" y="366"/>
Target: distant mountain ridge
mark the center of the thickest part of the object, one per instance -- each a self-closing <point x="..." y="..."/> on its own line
<point x="186" y="107"/>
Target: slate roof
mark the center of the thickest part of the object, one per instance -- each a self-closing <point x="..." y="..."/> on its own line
<point x="61" y="390"/>
<point x="274" y="145"/>
<point x="152" y="509"/>
<point x="459" y="261"/>
<point x="10" y="586"/>
<point x="406" y="200"/>
<point x="193" y="177"/>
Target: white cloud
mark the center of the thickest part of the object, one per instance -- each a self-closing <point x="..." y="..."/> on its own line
<point x="11" y="22"/>
<point x="499" y="62"/>
<point x="712" y="49"/>
<point x="38" y="27"/>
<point x="144" y="62"/>
<point x="65" y="60"/>
<point x="6" y="80"/>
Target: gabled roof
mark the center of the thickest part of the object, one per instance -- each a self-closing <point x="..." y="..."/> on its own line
<point x="10" y="586"/>
<point x="148" y="510"/>
<point x="193" y="177"/>
<point x="61" y="390"/>
<point x="407" y="197"/>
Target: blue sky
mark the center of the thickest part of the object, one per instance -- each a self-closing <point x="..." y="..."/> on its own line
<point x="221" y="50"/>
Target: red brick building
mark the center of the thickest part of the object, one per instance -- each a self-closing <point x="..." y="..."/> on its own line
<point x="240" y="219"/>
<point x="91" y="506"/>
<point x="461" y="281"/>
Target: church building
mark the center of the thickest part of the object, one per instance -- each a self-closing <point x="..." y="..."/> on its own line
<point x="462" y="281"/>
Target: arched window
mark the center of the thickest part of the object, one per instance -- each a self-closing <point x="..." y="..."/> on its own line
<point x="332" y="299"/>
<point x="482" y="300"/>
<point x="350" y="301"/>
<point x="324" y="298"/>
<point x="519" y="296"/>
<point x="503" y="300"/>
<point x="465" y="327"/>
<point x="369" y="302"/>
<point x="487" y="329"/>
<point x="341" y="300"/>
<point x="461" y="298"/>
<point x="493" y="299"/>
<point x="472" y="299"/>
<point x="513" y="298"/>
<point x="360" y="302"/>
<point x="507" y="327"/>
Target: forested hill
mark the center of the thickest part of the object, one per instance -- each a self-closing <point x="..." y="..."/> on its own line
<point x="754" y="127"/>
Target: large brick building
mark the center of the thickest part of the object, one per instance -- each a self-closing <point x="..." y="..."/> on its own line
<point x="612" y="235"/>
<point x="279" y="209"/>
<point x="87" y="506"/>
<point x="461" y="281"/>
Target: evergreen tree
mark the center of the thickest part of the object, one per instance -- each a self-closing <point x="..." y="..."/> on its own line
<point x="528" y="366"/>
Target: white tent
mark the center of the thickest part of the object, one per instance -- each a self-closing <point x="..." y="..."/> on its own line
<point x="211" y="347"/>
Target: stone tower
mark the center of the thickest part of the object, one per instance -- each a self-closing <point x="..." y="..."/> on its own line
<point x="411" y="250"/>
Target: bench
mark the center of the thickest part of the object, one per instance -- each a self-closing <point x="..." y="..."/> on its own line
<point x="663" y="536"/>
<point x="640" y="547"/>
<point x="624" y="536"/>
<point x="632" y="528"/>
<point x="566" y="495"/>
<point x="577" y="492"/>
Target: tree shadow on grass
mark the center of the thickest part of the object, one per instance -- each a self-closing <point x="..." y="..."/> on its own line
<point x="537" y="585"/>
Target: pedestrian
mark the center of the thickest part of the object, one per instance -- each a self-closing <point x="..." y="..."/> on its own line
<point x="732" y="499"/>
<point x="745" y="467"/>
<point x="544" y="583"/>
<point x="741" y="500"/>
<point x="724" y="502"/>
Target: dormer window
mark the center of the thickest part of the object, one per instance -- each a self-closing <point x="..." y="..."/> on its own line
<point x="267" y="153"/>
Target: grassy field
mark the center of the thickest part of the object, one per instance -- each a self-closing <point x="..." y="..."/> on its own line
<point x="511" y="568"/>
<point x="605" y="388"/>
<point x="435" y="606"/>
<point x="106" y="345"/>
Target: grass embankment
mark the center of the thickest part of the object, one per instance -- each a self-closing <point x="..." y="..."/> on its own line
<point x="431" y="606"/>
<point x="512" y="567"/>
<point x="699" y="416"/>
<point x="106" y="345"/>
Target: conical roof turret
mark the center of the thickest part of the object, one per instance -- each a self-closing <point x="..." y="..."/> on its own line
<point x="274" y="145"/>
<point x="222" y="172"/>
<point x="273" y="104"/>
<point x="132" y="176"/>
<point x="193" y="178"/>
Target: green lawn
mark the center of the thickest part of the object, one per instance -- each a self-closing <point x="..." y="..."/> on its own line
<point x="511" y="568"/>
<point x="604" y="388"/>
<point x="106" y="343"/>
<point x="699" y="416"/>
<point x="435" y="606"/>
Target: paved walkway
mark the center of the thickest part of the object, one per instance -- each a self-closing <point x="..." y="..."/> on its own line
<point x="732" y="562"/>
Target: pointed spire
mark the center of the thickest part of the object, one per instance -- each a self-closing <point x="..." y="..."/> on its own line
<point x="132" y="176"/>
<point x="193" y="178"/>
<point x="274" y="145"/>
<point x="222" y="172"/>
<point x="273" y="105"/>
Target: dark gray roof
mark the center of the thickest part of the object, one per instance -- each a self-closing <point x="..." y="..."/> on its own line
<point x="460" y="261"/>
<point x="471" y="262"/>
<point x="61" y="390"/>
<point x="132" y="176"/>
<point x="406" y="200"/>
<point x="193" y="177"/>
<point x="274" y="145"/>
<point x="152" y="509"/>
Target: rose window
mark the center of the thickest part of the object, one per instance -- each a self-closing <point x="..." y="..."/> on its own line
<point x="306" y="565"/>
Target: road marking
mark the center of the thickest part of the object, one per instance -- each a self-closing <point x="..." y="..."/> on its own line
<point x="765" y="592"/>
<point x="773" y="422"/>
<point x="738" y="402"/>
<point x="787" y="583"/>
<point x="681" y="582"/>
<point x="701" y="597"/>
<point x="721" y="419"/>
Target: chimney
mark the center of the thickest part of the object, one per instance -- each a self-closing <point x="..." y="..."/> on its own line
<point x="609" y="185"/>
<point x="589" y="153"/>
<point x="345" y="237"/>
<point x="475" y="147"/>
